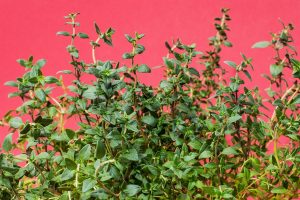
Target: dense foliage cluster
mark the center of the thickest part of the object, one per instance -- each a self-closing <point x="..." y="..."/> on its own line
<point x="195" y="136"/>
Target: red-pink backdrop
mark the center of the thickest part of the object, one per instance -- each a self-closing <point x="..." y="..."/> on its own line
<point x="29" y="28"/>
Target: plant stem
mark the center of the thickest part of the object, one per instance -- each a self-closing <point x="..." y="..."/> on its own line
<point x="94" y="52"/>
<point x="76" y="176"/>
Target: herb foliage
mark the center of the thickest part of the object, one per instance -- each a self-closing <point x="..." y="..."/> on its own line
<point x="195" y="136"/>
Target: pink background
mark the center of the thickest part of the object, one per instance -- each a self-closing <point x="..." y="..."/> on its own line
<point x="29" y="28"/>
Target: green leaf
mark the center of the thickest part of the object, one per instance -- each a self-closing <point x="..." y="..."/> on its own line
<point x="64" y="72"/>
<point x="22" y="62"/>
<point x="83" y="35"/>
<point x="40" y="63"/>
<point x="90" y="93"/>
<point x="139" y="49"/>
<point x="262" y="44"/>
<point x="70" y="164"/>
<point x="195" y="144"/>
<point x="51" y="79"/>
<point x="132" y="155"/>
<point x="70" y="133"/>
<point x="227" y="44"/>
<point x="26" y="129"/>
<point x="276" y="69"/>
<point x="85" y="153"/>
<point x="132" y="190"/>
<point x="107" y="40"/>
<point x="166" y="85"/>
<point x="43" y="155"/>
<point x="296" y="68"/>
<point x="143" y="69"/>
<point x="296" y="74"/>
<point x="16" y="122"/>
<point x="133" y="127"/>
<point x="66" y="175"/>
<point x="296" y="100"/>
<point x="73" y="51"/>
<point x="64" y="33"/>
<point x="194" y="71"/>
<point x="247" y="74"/>
<point x="43" y="121"/>
<point x="140" y="36"/>
<point x="40" y="94"/>
<point x="211" y="165"/>
<point x="11" y="83"/>
<point x="127" y="55"/>
<point x="5" y="182"/>
<point x="100" y="149"/>
<point x="279" y="190"/>
<point x="7" y="142"/>
<point x="205" y="154"/>
<point x="234" y="118"/>
<point x="97" y="28"/>
<point x="150" y="120"/>
<point x="294" y="137"/>
<point x="88" y="184"/>
<point x="129" y="38"/>
<point x="230" y="63"/>
<point x="229" y="151"/>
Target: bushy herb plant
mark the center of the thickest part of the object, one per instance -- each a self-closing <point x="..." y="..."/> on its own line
<point x="198" y="135"/>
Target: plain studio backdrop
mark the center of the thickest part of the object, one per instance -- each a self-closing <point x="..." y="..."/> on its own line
<point x="29" y="28"/>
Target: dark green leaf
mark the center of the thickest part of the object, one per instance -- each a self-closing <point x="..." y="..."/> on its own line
<point x="70" y="133"/>
<point x="51" y="79"/>
<point x="100" y="149"/>
<point x="149" y="120"/>
<point x="83" y="35"/>
<point x="70" y="164"/>
<point x="139" y="49"/>
<point x="194" y="71"/>
<point x="43" y="121"/>
<point x="97" y="28"/>
<point x="247" y="74"/>
<point x="127" y="55"/>
<point x="64" y="33"/>
<point x="22" y="62"/>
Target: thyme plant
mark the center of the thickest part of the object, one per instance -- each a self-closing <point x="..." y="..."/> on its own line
<point x="195" y="136"/>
